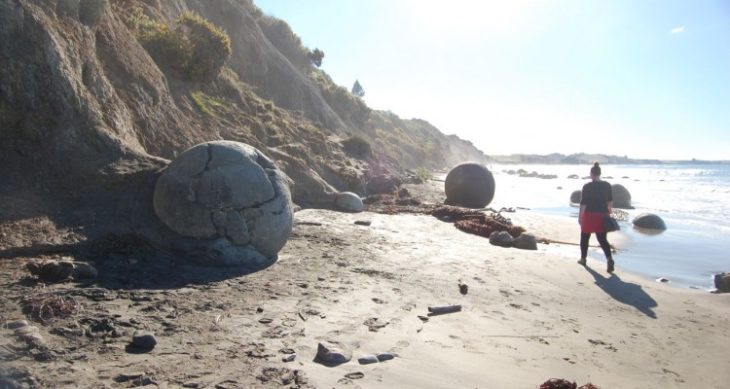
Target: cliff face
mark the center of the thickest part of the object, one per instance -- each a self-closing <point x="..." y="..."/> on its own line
<point x="88" y="118"/>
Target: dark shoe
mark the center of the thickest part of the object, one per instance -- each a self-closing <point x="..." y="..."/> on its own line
<point x="582" y="262"/>
<point x="610" y="266"/>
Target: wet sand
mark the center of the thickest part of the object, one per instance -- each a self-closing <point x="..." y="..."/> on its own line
<point x="528" y="316"/>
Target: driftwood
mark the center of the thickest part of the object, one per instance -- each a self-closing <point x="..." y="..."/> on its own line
<point x="441" y="310"/>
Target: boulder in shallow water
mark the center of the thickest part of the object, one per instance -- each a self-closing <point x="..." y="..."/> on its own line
<point x="621" y="197"/>
<point x="501" y="238"/>
<point x="722" y="282"/>
<point x="650" y="221"/>
<point x="349" y="202"/>
<point x="469" y="185"/>
<point x="228" y="197"/>
<point x="576" y="196"/>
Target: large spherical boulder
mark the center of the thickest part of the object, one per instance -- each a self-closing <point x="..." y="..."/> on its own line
<point x="228" y="197"/>
<point x="621" y="197"/>
<point x="469" y="185"/>
<point x="349" y="202"/>
<point x="650" y="221"/>
<point x="576" y="196"/>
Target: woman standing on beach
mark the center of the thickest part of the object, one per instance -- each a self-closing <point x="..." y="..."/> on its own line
<point x="595" y="204"/>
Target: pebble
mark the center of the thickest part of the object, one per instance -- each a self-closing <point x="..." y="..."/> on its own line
<point x="289" y="358"/>
<point x="124" y="377"/>
<point x="662" y="279"/>
<point x="332" y="353"/>
<point x="14" y="325"/>
<point x="367" y="359"/>
<point x="265" y="320"/>
<point x="144" y="340"/>
<point x="363" y="222"/>
<point x="382" y="357"/>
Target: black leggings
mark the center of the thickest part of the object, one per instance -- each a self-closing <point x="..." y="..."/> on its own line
<point x="601" y="236"/>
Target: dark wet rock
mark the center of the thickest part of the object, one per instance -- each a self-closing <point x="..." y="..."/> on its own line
<point x="649" y="221"/>
<point x="84" y="271"/>
<point x="525" y="242"/>
<point x="501" y="238"/>
<point x="382" y="357"/>
<point x="662" y="280"/>
<point x="621" y="197"/>
<point x="332" y="353"/>
<point x="722" y="282"/>
<point x="469" y="185"/>
<point x="143" y="340"/>
<point x="363" y="222"/>
<point x="576" y="196"/>
<point x="289" y="358"/>
<point x="367" y="359"/>
<point x="463" y="288"/>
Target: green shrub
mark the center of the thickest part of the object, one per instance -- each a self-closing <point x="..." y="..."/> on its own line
<point x="357" y="146"/>
<point x="191" y="47"/>
<point x="424" y="174"/>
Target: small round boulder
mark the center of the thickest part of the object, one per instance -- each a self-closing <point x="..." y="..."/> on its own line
<point x="469" y="185"/>
<point x="576" y="196"/>
<point x="229" y="195"/>
<point x="621" y="197"/>
<point x="650" y="221"/>
<point x="349" y="202"/>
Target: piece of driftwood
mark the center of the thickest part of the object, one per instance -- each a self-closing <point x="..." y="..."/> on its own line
<point x="432" y="311"/>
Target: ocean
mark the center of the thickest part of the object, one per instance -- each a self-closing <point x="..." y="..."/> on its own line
<point x="693" y="200"/>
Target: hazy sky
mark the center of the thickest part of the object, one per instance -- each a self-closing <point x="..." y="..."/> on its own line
<point x="647" y="79"/>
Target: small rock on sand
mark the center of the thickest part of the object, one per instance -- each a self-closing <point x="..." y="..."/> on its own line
<point x="382" y="357"/>
<point x="14" y="325"/>
<point x="367" y="359"/>
<point x="501" y="238"/>
<point x="332" y="353"/>
<point x="289" y="358"/>
<point x="143" y="340"/>
<point x="525" y="242"/>
<point x="355" y="375"/>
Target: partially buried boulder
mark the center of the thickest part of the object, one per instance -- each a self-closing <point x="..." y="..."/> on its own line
<point x="525" y="242"/>
<point x="228" y="197"/>
<point x="650" y="221"/>
<point x="332" y="354"/>
<point x="501" y="238"/>
<point x="621" y="197"/>
<point x="469" y="185"/>
<point x="576" y="196"/>
<point x="349" y="202"/>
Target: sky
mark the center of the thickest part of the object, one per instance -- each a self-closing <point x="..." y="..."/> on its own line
<point x="646" y="79"/>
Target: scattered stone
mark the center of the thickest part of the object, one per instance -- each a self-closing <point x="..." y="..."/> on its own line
<point x="662" y="279"/>
<point x="363" y="222"/>
<point x="332" y="353"/>
<point x="722" y="282"/>
<point x="367" y="359"/>
<point x="423" y="318"/>
<point x="650" y="221"/>
<point x="573" y="177"/>
<point x="463" y="288"/>
<point x="124" y="377"/>
<point x="469" y="185"/>
<point x="265" y="320"/>
<point x="382" y="357"/>
<point x="349" y="202"/>
<point x="355" y="375"/>
<point x="558" y="383"/>
<point x="143" y="340"/>
<point x="374" y="324"/>
<point x="14" y="325"/>
<point x="259" y="309"/>
<point x="441" y="310"/>
<point x="525" y="242"/>
<point x="51" y="271"/>
<point x="576" y="196"/>
<point x="501" y="238"/>
<point x="289" y="358"/>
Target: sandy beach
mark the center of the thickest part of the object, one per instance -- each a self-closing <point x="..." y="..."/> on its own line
<point x="528" y="316"/>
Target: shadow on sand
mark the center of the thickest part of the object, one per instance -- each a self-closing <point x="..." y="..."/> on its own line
<point x="625" y="292"/>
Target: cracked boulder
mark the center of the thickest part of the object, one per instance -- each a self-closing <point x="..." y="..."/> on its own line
<point x="229" y="198"/>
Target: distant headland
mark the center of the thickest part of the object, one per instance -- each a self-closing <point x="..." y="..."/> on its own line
<point x="584" y="158"/>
